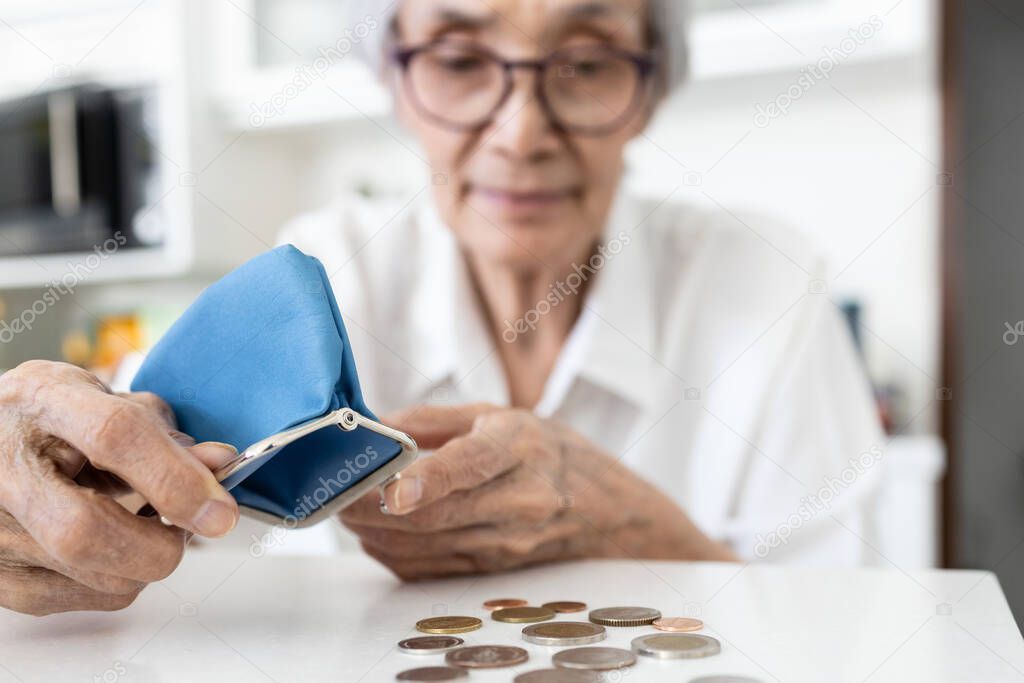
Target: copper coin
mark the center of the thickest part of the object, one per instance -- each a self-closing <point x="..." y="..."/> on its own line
<point x="502" y="603"/>
<point x="522" y="615"/>
<point x="486" y="656"/>
<point x="565" y="606"/>
<point x="432" y="673"/>
<point x="678" y="624"/>
<point x="448" y="625"/>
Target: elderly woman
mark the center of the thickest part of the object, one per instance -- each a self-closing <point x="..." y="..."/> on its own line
<point x="599" y="376"/>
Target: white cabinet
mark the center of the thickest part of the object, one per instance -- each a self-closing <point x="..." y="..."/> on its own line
<point x="281" y="64"/>
<point x="60" y="43"/>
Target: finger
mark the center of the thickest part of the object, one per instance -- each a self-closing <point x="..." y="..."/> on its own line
<point x="155" y="405"/>
<point x="120" y="436"/>
<point x="214" y="454"/>
<point x="410" y="545"/>
<point x="37" y="591"/>
<point x="433" y="426"/>
<point x="503" y="499"/>
<point x="515" y="545"/>
<point x="18" y="547"/>
<point x="87" y="530"/>
<point x="463" y="463"/>
<point x="414" y="570"/>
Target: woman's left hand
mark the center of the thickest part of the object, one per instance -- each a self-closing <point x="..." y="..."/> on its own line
<point x="506" y="489"/>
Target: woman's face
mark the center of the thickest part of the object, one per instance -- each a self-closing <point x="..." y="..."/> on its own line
<point x="520" y="190"/>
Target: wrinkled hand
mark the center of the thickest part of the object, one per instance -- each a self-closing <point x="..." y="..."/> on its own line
<point x="68" y="450"/>
<point x="507" y="489"/>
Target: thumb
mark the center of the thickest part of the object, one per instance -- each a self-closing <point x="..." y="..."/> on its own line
<point x="434" y="426"/>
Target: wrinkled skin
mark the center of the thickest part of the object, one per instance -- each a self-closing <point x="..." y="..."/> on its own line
<point x="69" y="452"/>
<point x="506" y="489"/>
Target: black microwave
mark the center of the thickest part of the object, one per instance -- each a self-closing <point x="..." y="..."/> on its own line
<point x="78" y="166"/>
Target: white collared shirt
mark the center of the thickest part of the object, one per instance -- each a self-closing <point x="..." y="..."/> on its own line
<point x="706" y="358"/>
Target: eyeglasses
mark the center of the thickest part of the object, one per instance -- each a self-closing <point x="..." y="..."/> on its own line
<point x="588" y="90"/>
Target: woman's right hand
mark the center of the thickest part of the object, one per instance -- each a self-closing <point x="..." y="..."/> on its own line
<point x="68" y="449"/>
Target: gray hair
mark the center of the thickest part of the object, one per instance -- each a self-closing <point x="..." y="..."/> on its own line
<point x="667" y="22"/>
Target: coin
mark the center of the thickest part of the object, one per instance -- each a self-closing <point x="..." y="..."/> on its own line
<point x="597" y="658"/>
<point x="429" y="645"/>
<point x="558" y="676"/>
<point x="724" y="679"/>
<point x="564" y="633"/>
<point x="522" y="615"/>
<point x="678" y="624"/>
<point x="565" y="606"/>
<point x="624" y="616"/>
<point x="447" y="625"/>
<point x="486" y="656"/>
<point x="432" y="673"/>
<point x="502" y="603"/>
<point x="676" y="646"/>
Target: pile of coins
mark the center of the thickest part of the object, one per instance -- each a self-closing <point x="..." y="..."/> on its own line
<point x="582" y="662"/>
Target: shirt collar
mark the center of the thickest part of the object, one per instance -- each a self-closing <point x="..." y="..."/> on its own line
<point x="610" y="346"/>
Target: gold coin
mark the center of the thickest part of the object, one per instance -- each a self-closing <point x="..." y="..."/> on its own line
<point x="446" y="625"/>
<point x="502" y="603"/>
<point x="678" y="624"/>
<point x="522" y="615"/>
<point x="565" y="606"/>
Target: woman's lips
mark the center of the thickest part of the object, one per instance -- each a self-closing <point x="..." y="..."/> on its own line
<point x="516" y="200"/>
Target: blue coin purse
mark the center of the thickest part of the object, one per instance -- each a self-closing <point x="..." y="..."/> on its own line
<point x="261" y="361"/>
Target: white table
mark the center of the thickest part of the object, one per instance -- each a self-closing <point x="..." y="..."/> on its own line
<point x="233" y="617"/>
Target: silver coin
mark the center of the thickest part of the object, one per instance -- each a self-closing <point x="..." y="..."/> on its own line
<point x="624" y="616"/>
<point x="676" y="646"/>
<point x="596" y="658"/>
<point x="429" y="645"/>
<point x="563" y="633"/>
<point x="724" y="679"/>
<point x="558" y="676"/>
<point x="486" y="656"/>
<point x="432" y="673"/>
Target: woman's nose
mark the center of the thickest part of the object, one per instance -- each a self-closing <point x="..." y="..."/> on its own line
<point x="521" y="127"/>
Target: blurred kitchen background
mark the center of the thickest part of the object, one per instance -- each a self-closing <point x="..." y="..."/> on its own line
<point x="146" y="148"/>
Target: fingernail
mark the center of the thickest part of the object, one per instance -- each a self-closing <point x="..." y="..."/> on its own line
<point x="223" y="453"/>
<point x="215" y="519"/>
<point x="408" y="492"/>
<point x="183" y="439"/>
<point x="225" y="446"/>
